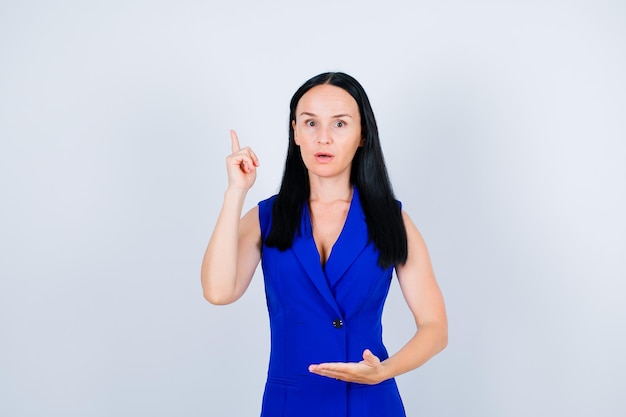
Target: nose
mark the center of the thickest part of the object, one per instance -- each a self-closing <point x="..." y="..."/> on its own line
<point x="325" y="136"/>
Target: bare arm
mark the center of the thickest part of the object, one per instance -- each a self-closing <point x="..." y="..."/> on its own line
<point x="424" y="298"/>
<point x="234" y="249"/>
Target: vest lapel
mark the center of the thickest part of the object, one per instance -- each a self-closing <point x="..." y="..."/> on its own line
<point x="306" y="252"/>
<point x="351" y="242"/>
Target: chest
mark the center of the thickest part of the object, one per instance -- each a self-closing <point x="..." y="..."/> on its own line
<point x="327" y="222"/>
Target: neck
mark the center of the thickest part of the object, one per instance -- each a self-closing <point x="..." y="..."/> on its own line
<point x="329" y="190"/>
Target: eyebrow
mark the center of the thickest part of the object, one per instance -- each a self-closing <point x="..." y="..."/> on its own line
<point x="305" y="113"/>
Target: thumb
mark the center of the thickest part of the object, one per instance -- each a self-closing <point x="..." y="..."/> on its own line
<point x="369" y="358"/>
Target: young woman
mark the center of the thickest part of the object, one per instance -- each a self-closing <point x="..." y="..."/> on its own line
<point x="328" y="243"/>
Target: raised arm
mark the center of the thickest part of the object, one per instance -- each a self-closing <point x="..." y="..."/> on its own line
<point x="234" y="249"/>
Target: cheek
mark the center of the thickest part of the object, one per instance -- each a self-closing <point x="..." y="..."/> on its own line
<point x="302" y="137"/>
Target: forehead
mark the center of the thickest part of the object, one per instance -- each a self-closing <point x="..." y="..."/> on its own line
<point x="327" y="99"/>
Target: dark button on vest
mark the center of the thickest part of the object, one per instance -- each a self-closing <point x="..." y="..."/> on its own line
<point x="337" y="324"/>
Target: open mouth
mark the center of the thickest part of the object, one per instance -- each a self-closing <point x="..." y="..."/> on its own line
<point x="323" y="156"/>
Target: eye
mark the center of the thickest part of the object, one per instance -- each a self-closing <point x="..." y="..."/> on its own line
<point x="340" y="123"/>
<point x="310" y="123"/>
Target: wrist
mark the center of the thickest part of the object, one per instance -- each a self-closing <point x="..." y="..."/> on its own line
<point x="235" y="192"/>
<point x="385" y="371"/>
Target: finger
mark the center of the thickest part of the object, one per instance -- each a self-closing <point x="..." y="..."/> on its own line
<point x="250" y="158"/>
<point x="246" y="166"/>
<point x="240" y="158"/>
<point x="370" y="358"/>
<point x="354" y="375"/>
<point x="234" y="141"/>
<point x="332" y="368"/>
<point x="329" y="373"/>
<point x="255" y="159"/>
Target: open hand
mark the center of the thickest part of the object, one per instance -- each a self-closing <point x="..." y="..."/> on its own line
<point x="369" y="371"/>
<point x="241" y="165"/>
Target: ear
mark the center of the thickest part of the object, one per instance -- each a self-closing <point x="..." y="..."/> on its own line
<point x="295" y="132"/>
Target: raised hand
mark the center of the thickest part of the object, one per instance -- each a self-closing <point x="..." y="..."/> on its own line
<point x="241" y="165"/>
<point x="369" y="371"/>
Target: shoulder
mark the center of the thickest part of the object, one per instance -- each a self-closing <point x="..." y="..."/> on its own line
<point x="408" y="222"/>
<point x="416" y="243"/>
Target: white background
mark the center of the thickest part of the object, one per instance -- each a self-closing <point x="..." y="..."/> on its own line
<point x="503" y="125"/>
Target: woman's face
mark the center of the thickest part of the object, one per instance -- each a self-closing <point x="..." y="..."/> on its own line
<point x="328" y="131"/>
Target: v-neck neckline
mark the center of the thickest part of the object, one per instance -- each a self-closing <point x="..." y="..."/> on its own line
<point x="351" y="242"/>
<point x="337" y="241"/>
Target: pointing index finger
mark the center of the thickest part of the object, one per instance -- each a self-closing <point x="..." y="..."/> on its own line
<point x="234" y="141"/>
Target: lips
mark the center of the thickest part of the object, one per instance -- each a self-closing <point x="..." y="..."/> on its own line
<point x="324" y="157"/>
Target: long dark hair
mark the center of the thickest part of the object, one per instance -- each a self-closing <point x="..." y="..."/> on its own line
<point x="382" y="212"/>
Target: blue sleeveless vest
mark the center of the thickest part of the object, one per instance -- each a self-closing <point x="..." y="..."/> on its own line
<point x="328" y="314"/>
